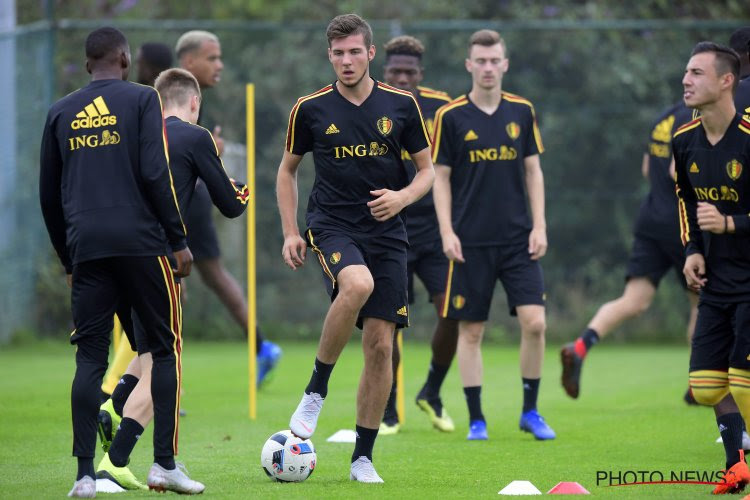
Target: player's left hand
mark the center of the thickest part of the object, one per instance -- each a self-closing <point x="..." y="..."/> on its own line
<point x="710" y="219"/>
<point x="386" y="204"/>
<point x="537" y="243"/>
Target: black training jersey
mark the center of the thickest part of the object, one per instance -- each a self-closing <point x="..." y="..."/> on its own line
<point x="192" y="156"/>
<point x="486" y="156"/>
<point x="658" y="218"/>
<point x="421" y="221"/>
<point x="716" y="174"/>
<point x="105" y="185"/>
<point x="356" y="149"/>
<point x="742" y="96"/>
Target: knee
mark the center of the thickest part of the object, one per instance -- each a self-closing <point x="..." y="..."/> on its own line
<point x="358" y="286"/>
<point x="379" y="348"/>
<point x="534" y="328"/>
<point x="470" y="337"/>
<point x="709" y="386"/>
<point x="638" y="307"/>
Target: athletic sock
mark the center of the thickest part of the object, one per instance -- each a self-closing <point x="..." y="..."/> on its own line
<point x="122" y="391"/>
<point x="365" y="442"/>
<point x="166" y="462"/>
<point x="588" y="339"/>
<point x="390" y="416"/>
<point x="474" y="402"/>
<point x="435" y="378"/>
<point x="125" y="440"/>
<point x="319" y="379"/>
<point x="85" y="468"/>
<point x="730" y="428"/>
<point x="530" y="393"/>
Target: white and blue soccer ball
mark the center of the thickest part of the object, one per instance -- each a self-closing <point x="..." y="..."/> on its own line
<point x="287" y="458"/>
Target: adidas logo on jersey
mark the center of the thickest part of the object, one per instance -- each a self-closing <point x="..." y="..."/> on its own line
<point x="332" y="129"/>
<point x="471" y="136"/>
<point x="663" y="131"/>
<point x="402" y="311"/>
<point x="94" y="115"/>
<point x="694" y="168"/>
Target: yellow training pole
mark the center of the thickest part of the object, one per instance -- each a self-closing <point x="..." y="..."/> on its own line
<point x="251" y="303"/>
<point x="117" y="333"/>
<point x="400" y="407"/>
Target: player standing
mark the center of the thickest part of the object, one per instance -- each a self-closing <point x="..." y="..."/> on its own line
<point x="711" y="154"/>
<point x="403" y="69"/>
<point x="486" y="148"/>
<point x="356" y="129"/>
<point x="107" y="199"/>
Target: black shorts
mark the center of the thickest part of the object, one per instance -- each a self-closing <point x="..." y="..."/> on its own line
<point x="201" y="232"/>
<point x="104" y="286"/>
<point x="471" y="285"/>
<point x="652" y="258"/>
<point x="722" y="336"/>
<point x="384" y="257"/>
<point x="430" y="264"/>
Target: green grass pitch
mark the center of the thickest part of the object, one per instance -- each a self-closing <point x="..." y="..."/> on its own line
<point x="630" y="417"/>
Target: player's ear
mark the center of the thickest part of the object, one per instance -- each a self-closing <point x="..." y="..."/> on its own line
<point x="88" y="67"/>
<point x="467" y="64"/>
<point x="371" y="53"/>
<point x="330" y="54"/>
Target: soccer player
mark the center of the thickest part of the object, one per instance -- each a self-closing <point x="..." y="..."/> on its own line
<point x="356" y="128"/>
<point x="193" y="155"/>
<point x="199" y="52"/>
<point x="656" y="249"/>
<point x="486" y="151"/>
<point x="710" y="154"/>
<point x="151" y="59"/>
<point x="108" y="201"/>
<point x="403" y="69"/>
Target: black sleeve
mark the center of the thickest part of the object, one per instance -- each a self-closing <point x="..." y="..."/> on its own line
<point x="690" y="233"/>
<point x="741" y="224"/>
<point x="155" y="172"/>
<point x="230" y="198"/>
<point x="299" y="138"/>
<point x="50" y="193"/>
<point x="442" y="140"/>
<point x="533" y="140"/>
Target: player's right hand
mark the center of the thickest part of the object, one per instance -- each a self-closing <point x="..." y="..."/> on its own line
<point x="452" y="247"/>
<point x="184" y="260"/>
<point x="294" y="251"/>
<point x="695" y="271"/>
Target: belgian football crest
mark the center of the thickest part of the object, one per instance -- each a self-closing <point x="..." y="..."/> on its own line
<point x="385" y="126"/>
<point x="458" y="301"/>
<point x="513" y="129"/>
<point x="734" y="169"/>
<point x="335" y="258"/>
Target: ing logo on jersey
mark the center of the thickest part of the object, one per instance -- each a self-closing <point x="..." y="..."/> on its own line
<point x="734" y="169"/>
<point x="374" y="149"/>
<point x="723" y="193"/>
<point x="385" y="126"/>
<point x="335" y="258"/>
<point x="94" y="115"/>
<point x="458" y="301"/>
<point x="663" y="130"/>
<point x="108" y="138"/>
<point x="513" y="129"/>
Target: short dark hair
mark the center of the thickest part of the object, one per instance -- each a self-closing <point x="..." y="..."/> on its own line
<point x="104" y="42"/>
<point x="727" y="60"/>
<point x="176" y="86"/>
<point x="739" y="40"/>
<point x="487" y="38"/>
<point x="404" y="45"/>
<point x="157" y="55"/>
<point x="346" y="25"/>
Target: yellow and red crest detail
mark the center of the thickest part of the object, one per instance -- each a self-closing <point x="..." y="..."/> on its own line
<point x="335" y="258"/>
<point x="734" y="169"/>
<point x="385" y="125"/>
<point x="513" y="129"/>
<point x="458" y="301"/>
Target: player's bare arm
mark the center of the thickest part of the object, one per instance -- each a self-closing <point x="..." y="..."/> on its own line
<point x="389" y="203"/>
<point x="535" y="189"/>
<point x="294" y="248"/>
<point x="644" y="166"/>
<point x="441" y="193"/>
<point x="710" y="219"/>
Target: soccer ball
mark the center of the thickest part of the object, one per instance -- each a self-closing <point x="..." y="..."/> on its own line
<point x="288" y="458"/>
